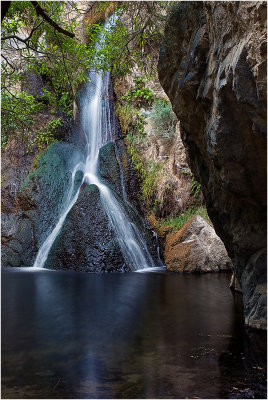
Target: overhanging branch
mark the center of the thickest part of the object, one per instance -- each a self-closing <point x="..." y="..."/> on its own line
<point x="42" y="13"/>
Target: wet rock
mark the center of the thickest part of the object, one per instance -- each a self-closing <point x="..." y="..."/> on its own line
<point x="48" y="187"/>
<point x="86" y="242"/>
<point x="16" y="165"/>
<point x="213" y="68"/>
<point x="129" y="177"/>
<point x="234" y="284"/>
<point x="39" y="200"/>
<point x="196" y="248"/>
<point x="18" y="239"/>
<point x="109" y="168"/>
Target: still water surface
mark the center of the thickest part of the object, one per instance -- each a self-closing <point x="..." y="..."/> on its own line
<point x="151" y="335"/>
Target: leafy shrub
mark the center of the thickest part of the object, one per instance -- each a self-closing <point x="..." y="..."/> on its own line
<point x="140" y="93"/>
<point x="17" y="113"/>
<point x="49" y="134"/>
<point x="163" y="119"/>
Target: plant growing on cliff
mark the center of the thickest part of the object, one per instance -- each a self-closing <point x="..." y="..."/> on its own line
<point x="163" y="119"/>
<point x="195" y="186"/>
<point x="131" y="121"/>
<point x="179" y="220"/>
<point x="48" y="135"/>
<point x="17" y="113"/>
<point x="140" y="94"/>
<point x="148" y="172"/>
<point x="149" y="183"/>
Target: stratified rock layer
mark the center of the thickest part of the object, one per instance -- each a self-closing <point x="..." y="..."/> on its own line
<point x="196" y="248"/>
<point x="213" y="68"/>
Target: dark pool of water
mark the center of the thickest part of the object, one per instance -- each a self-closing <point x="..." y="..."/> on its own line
<point x="78" y="335"/>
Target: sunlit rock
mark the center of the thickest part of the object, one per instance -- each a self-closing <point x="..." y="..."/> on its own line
<point x="196" y="248"/>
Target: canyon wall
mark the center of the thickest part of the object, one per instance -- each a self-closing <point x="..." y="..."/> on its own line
<point x="213" y="68"/>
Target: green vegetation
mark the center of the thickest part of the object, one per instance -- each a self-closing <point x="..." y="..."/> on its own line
<point x="125" y="115"/>
<point x="163" y="119"/>
<point x="48" y="135"/>
<point x="141" y="94"/>
<point x="148" y="172"/>
<point x="131" y="121"/>
<point x="40" y="38"/>
<point x="149" y="183"/>
<point x="3" y="141"/>
<point x="177" y="222"/>
<point x="18" y="113"/>
<point x="195" y="186"/>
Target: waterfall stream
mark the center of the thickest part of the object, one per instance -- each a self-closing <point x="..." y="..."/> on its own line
<point x="99" y="129"/>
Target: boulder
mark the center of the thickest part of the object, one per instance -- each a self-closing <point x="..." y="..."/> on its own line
<point x="196" y="248"/>
<point x="213" y="68"/>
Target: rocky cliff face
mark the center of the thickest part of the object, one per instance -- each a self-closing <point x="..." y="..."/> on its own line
<point x="213" y="68"/>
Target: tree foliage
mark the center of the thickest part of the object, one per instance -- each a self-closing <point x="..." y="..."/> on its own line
<point x="40" y="38"/>
<point x="32" y="44"/>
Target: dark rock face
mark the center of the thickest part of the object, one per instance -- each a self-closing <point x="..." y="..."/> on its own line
<point x="86" y="243"/>
<point x="109" y="168"/>
<point x="213" y="68"/>
<point x="18" y="239"/>
<point x="39" y="201"/>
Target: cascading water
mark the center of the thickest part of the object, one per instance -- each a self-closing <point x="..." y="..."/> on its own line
<point x="99" y="129"/>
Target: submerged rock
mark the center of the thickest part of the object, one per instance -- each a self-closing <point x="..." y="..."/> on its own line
<point x="196" y="248"/>
<point x="86" y="242"/>
<point x="213" y="68"/>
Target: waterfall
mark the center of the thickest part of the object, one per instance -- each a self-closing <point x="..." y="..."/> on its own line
<point x="99" y="129"/>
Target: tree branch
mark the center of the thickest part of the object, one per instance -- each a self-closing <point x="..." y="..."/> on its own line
<point x="41" y="12"/>
<point x="9" y="63"/>
<point x="13" y="37"/>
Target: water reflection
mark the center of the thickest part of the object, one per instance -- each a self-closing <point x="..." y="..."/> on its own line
<point x="77" y="335"/>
